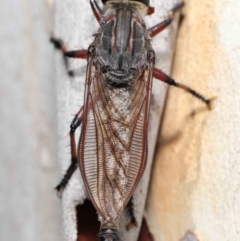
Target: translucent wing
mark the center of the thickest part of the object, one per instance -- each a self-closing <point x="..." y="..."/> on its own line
<point x="113" y="143"/>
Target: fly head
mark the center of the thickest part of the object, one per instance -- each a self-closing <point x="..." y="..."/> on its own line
<point x="145" y="2"/>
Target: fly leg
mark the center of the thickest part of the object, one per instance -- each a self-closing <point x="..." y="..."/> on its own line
<point x="76" y="122"/>
<point x="150" y="10"/>
<point x="81" y="54"/>
<point x="153" y="31"/>
<point x="130" y="212"/>
<point x="158" y="74"/>
<point x="59" y="45"/>
<point x="96" y="10"/>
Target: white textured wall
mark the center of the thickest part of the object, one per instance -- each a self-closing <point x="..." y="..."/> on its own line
<point x="196" y="179"/>
<point x="29" y="209"/>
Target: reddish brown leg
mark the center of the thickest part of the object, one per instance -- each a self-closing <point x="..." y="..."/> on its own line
<point x="80" y="54"/>
<point x="150" y="10"/>
<point x="74" y="161"/>
<point x="158" y="74"/>
<point x="96" y="10"/>
<point x="58" y="44"/>
<point x="161" y="26"/>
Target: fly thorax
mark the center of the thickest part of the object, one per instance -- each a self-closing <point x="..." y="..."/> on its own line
<point x="108" y="233"/>
<point x="122" y="53"/>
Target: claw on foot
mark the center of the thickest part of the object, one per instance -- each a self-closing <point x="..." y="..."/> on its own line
<point x="210" y="100"/>
<point x="131" y="225"/>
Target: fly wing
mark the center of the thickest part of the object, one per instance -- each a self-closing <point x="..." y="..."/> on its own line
<point x="113" y="143"/>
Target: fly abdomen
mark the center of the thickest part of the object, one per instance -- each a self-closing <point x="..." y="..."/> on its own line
<point x="108" y="235"/>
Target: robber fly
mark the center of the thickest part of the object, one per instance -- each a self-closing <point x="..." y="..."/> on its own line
<point x="112" y="150"/>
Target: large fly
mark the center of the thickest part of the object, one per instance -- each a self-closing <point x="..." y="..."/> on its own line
<point x="112" y="150"/>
